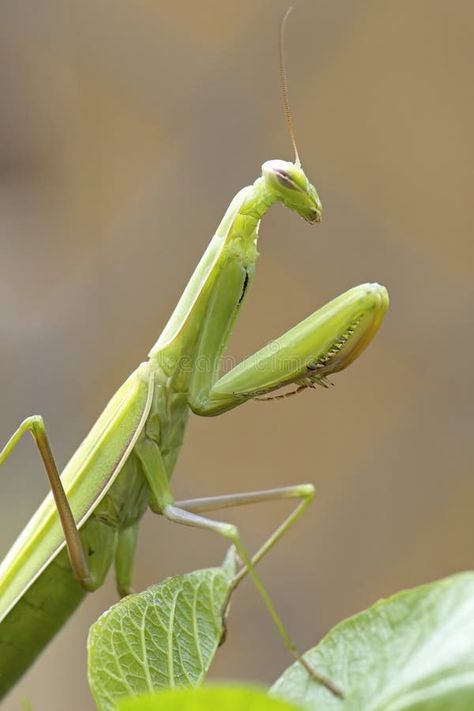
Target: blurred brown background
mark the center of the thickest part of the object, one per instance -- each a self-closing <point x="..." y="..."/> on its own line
<point x="125" y="129"/>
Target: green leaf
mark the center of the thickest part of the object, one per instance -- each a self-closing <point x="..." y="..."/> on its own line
<point x="413" y="651"/>
<point x="163" y="637"/>
<point x="207" y="699"/>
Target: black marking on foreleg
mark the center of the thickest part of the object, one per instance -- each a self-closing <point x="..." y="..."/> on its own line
<point x="244" y="288"/>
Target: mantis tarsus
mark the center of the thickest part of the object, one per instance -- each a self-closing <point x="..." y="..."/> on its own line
<point x="90" y="519"/>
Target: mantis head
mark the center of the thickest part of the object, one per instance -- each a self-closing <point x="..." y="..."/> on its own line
<point x="287" y="181"/>
<point x="289" y="184"/>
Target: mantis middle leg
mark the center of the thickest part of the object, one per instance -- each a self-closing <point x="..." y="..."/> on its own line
<point x="188" y="513"/>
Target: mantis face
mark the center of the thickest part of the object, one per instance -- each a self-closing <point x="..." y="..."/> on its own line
<point x="288" y="182"/>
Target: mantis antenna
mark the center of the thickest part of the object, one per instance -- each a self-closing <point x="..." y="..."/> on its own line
<point x="284" y="84"/>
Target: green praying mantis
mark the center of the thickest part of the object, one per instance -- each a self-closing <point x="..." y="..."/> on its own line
<point x="90" y="519"/>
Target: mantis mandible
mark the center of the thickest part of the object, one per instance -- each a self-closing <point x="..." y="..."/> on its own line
<point x="90" y="519"/>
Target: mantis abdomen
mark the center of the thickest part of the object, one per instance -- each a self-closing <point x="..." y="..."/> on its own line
<point x="55" y="594"/>
<point x="36" y="618"/>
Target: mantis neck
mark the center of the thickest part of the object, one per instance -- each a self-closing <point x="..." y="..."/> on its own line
<point x="215" y="291"/>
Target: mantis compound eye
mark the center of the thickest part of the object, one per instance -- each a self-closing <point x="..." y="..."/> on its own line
<point x="285" y="180"/>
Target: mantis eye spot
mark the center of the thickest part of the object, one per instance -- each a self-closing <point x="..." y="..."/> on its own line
<point x="285" y="180"/>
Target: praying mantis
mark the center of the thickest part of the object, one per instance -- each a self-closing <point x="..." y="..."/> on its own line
<point x="89" y="521"/>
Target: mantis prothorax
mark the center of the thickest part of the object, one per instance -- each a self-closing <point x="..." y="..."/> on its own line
<point x="90" y="519"/>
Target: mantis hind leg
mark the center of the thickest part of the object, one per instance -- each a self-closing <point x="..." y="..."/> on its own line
<point x="186" y="513"/>
<point x="77" y="555"/>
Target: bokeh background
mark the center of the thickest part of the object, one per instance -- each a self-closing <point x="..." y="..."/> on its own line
<point x="125" y="130"/>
